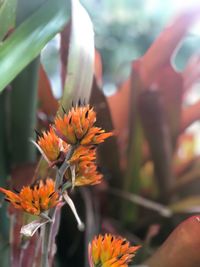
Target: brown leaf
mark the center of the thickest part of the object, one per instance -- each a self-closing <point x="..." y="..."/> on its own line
<point x="64" y="49"/>
<point x="120" y="111"/>
<point x="48" y="103"/>
<point x="156" y="130"/>
<point x="181" y="249"/>
<point x="98" y="68"/>
<point x="108" y="151"/>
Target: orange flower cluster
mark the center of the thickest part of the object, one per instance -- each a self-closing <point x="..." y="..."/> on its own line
<point x="75" y="129"/>
<point x="35" y="199"/>
<point x="74" y="132"/>
<point x="110" y="251"/>
<point x="85" y="167"/>
<point x="78" y="127"/>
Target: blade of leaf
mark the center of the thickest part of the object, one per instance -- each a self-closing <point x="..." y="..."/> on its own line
<point x="157" y="132"/>
<point x="25" y="9"/>
<point x="166" y="44"/>
<point x="48" y="103"/>
<point x="184" y="240"/>
<point x="7" y="16"/>
<point x="30" y="37"/>
<point x="4" y="222"/>
<point x="23" y="119"/>
<point x="80" y="66"/>
<point x="64" y="49"/>
<point x="108" y="152"/>
<point x="135" y="138"/>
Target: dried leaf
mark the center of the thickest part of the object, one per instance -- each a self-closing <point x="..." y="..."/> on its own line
<point x="30" y="229"/>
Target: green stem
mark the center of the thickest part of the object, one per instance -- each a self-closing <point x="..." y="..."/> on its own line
<point x="48" y="227"/>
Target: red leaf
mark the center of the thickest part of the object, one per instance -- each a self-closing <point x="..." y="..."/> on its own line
<point x="181" y="248"/>
<point x="162" y="50"/>
<point x="48" y="103"/>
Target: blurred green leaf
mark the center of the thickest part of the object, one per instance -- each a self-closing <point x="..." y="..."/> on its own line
<point x="132" y="180"/>
<point x="7" y="16"/>
<point x="30" y="37"/>
<point x="4" y="223"/>
<point x="23" y="119"/>
<point x="26" y="8"/>
<point x="4" y="254"/>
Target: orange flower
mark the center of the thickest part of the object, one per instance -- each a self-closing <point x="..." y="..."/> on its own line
<point x="51" y="147"/>
<point x="110" y="251"/>
<point x="95" y="136"/>
<point x="83" y="169"/>
<point x="34" y="199"/>
<point x="77" y="126"/>
<point x="83" y="153"/>
<point x="86" y="174"/>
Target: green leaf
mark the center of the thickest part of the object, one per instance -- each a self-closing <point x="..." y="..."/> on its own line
<point x="30" y="37"/>
<point x="7" y="16"/>
<point x="80" y="65"/>
<point x="132" y="175"/>
<point x="26" y="8"/>
<point x="23" y="120"/>
<point x="4" y="223"/>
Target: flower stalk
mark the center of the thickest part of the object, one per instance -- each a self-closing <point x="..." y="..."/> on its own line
<point x="47" y="227"/>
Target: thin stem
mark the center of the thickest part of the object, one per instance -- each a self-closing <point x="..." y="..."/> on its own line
<point x="45" y="244"/>
<point x="48" y="227"/>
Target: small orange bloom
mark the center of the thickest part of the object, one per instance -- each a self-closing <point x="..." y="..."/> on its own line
<point x="52" y="146"/>
<point x="77" y="126"/>
<point x="34" y="199"/>
<point x="85" y="170"/>
<point x="95" y="136"/>
<point x="87" y="174"/>
<point x="110" y="251"/>
<point x="83" y="153"/>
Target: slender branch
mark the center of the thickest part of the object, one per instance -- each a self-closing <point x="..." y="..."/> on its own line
<point x="146" y="203"/>
<point x="46" y="235"/>
<point x="44" y="248"/>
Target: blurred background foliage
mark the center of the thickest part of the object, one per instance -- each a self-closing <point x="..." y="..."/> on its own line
<point x="151" y="100"/>
<point x="124" y="30"/>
